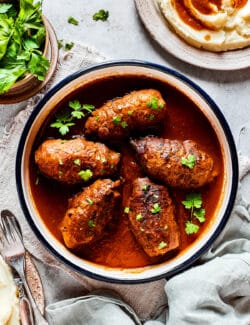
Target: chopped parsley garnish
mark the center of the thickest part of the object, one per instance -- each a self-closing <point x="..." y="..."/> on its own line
<point x="60" y="162"/>
<point x="77" y="162"/>
<point x="101" y="15"/>
<point x="124" y="124"/>
<point x="91" y="224"/>
<point x="85" y="174"/>
<point x="151" y="117"/>
<point x="90" y="202"/>
<point x="73" y="21"/>
<point x="63" y="122"/>
<point x="97" y="117"/>
<point x="193" y="202"/>
<point x="60" y="43"/>
<point x="126" y="210"/>
<point x="69" y="46"/>
<point x="188" y="161"/>
<point x="66" y="119"/>
<point x="139" y="217"/>
<point x="154" y="104"/>
<point x="130" y="113"/>
<point x="144" y="187"/>
<point x="162" y="245"/>
<point x="156" y="208"/>
<point x="117" y="119"/>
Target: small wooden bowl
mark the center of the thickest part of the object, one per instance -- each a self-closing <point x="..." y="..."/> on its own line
<point x="30" y="85"/>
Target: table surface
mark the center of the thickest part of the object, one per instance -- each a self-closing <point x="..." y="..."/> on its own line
<point x="123" y="36"/>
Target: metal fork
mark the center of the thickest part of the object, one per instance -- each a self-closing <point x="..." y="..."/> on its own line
<point x="13" y="252"/>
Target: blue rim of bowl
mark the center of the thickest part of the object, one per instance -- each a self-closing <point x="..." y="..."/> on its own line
<point x="233" y="154"/>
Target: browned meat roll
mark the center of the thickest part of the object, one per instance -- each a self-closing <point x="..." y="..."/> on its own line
<point x="178" y="164"/>
<point x="89" y="212"/>
<point x="75" y="161"/>
<point x="152" y="219"/>
<point x="135" y="111"/>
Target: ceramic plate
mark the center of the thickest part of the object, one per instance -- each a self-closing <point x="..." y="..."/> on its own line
<point x="158" y="28"/>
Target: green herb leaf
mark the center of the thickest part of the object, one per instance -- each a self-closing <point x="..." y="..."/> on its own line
<point x="144" y="187"/>
<point x="130" y="113"/>
<point x="89" y="108"/>
<point x="139" y="217"/>
<point x="101" y="15"/>
<point x="75" y="105"/>
<point x="154" y="104"/>
<point x="156" y="208"/>
<point x="4" y="7"/>
<point x="126" y="210"/>
<point x="124" y="124"/>
<point x="188" y="161"/>
<point x="191" y="228"/>
<point x="73" y="21"/>
<point x="193" y="200"/>
<point x="69" y="46"/>
<point x="200" y="215"/>
<point x="85" y="174"/>
<point x="91" y="224"/>
<point x="77" y="162"/>
<point x="117" y="119"/>
<point x="162" y="245"/>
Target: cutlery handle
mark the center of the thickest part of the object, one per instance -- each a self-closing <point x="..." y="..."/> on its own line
<point x="25" y="310"/>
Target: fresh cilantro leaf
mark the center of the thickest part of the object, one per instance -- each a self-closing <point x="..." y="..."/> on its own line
<point x="73" y="21"/>
<point x="162" y="245"/>
<point x="188" y="161"/>
<point x="4" y="7"/>
<point x="89" y="108"/>
<point x="9" y="76"/>
<point x="101" y="15"/>
<point x="200" y="215"/>
<point x="75" y="104"/>
<point x="193" y="200"/>
<point x="85" y="174"/>
<point x="191" y="228"/>
<point x="156" y="208"/>
<point x="38" y="66"/>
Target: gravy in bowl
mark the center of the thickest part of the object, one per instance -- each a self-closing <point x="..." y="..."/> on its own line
<point x="183" y="120"/>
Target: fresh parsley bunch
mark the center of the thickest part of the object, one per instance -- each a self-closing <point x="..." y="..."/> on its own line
<point x="22" y="37"/>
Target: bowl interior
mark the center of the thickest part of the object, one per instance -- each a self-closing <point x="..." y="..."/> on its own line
<point x="140" y="71"/>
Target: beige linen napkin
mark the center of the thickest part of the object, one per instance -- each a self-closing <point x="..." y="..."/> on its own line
<point x="59" y="281"/>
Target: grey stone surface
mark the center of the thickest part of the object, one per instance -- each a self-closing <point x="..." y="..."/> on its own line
<point x="124" y="37"/>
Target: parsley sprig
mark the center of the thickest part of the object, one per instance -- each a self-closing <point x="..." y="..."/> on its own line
<point x="66" y="119"/>
<point x="193" y="202"/>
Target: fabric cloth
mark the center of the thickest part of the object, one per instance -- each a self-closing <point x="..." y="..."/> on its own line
<point x="214" y="291"/>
